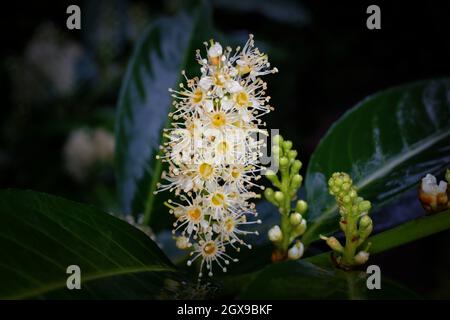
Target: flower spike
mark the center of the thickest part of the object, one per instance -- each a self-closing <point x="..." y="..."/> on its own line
<point x="213" y="155"/>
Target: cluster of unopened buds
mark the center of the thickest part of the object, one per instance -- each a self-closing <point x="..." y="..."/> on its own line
<point x="288" y="180"/>
<point x="433" y="196"/>
<point x="213" y="152"/>
<point x="354" y="222"/>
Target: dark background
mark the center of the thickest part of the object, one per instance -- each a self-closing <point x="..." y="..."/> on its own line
<point x="328" y="61"/>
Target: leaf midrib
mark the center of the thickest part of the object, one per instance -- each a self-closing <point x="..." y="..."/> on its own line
<point x="388" y="167"/>
<point x="97" y="274"/>
<point x="90" y="277"/>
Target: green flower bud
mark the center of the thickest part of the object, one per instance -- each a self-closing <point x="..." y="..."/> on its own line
<point x="287" y="145"/>
<point x="284" y="162"/>
<point x="346" y="186"/>
<point x="276" y="150"/>
<point x="301" y="206"/>
<point x="292" y="154"/>
<point x="333" y="243"/>
<point x="301" y="228"/>
<point x="365" y="222"/>
<point x="269" y="194"/>
<point x="346" y="199"/>
<point x="447" y="175"/>
<point x="365" y="228"/>
<point x="296" y="166"/>
<point x="279" y="196"/>
<point x="352" y="194"/>
<point x="278" y="139"/>
<point x="296" y="180"/>
<point x="271" y="176"/>
<point x="334" y="190"/>
<point x="338" y="182"/>
<point x="364" y="206"/>
<point x="346" y="178"/>
<point x="295" y="218"/>
<point x="364" y="234"/>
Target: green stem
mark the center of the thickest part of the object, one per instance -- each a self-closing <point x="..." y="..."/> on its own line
<point x="285" y="210"/>
<point x="354" y="292"/>
<point x="285" y="228"/>
<point x="350" y="243"/>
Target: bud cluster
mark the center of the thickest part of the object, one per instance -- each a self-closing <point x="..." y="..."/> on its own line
<point x="354" y="222"/>
<point x="287" y="181"/>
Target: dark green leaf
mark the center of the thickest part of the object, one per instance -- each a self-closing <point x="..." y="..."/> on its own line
<point x="41" y="235"/>
<point x="410" y="231"/>
<point x="304" y="280"/>
<point x="386" y="143"/>
<point x="166" y="47"/>
<point x="405" y="233"/>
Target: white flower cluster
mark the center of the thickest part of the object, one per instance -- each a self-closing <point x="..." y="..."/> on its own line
<point x="213" y="152"/>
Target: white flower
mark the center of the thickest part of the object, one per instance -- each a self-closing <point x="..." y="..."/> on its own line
<point x="191" y="217"/>
<point x="230" y="230"/>
<point x="430" y="186"/>
<point x="211" y="250"/>
<point x="233" y="86"/>
<point x="205" y="83"/>
<point x="253" y="62"/>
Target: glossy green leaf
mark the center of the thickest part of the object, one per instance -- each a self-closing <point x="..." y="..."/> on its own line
<point x="165" y="49"/>
<point x="410" y="231"/>
<point x="405" y="233"/>
<point x="304" y="280"/>
<point x="41" y="235"/>
<point x="315" y="277"/>
<point x="386" y="143"/>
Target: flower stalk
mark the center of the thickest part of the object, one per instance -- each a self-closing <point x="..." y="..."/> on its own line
<point x="354" y="222"/>
<point x="287" y="182"/>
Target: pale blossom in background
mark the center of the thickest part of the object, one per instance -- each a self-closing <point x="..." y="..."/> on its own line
<point x="85" y="148"/>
